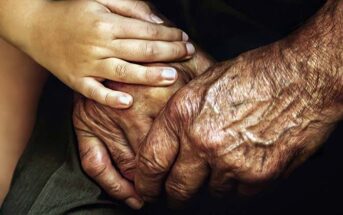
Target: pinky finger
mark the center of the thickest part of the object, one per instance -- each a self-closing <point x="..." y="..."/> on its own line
<point x="93" y="89"/>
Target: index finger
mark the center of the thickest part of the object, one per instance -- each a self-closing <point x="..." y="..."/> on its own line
<point x="127" y="28"/>
<point x="132" y="8"/>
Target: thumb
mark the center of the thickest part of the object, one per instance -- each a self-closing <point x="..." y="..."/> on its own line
<point x="155" y="158"/>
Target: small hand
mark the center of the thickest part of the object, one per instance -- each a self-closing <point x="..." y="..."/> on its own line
<point x="86" y="42"/>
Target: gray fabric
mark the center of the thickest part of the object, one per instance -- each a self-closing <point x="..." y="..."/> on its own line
<point x="49" y="179"/>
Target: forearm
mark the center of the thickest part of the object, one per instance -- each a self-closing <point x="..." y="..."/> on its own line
<point x="316" y="53"/>
<point x="20" y="87"/>
<point x="16" y="20"/>
<point x="306" y="64"/>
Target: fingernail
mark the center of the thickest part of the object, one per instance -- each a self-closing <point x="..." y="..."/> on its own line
<point x="190" y="48"/>
<point x="125" y="100"/>
<point x="185" y="36"/>
<point x="156" y="19"/>
<point x="134" y="203"/>
<point x="169" y="74"/>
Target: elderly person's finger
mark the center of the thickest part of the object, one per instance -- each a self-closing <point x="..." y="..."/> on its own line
<point x="155" y="159"/>
<point x="221" y="182"/>
<point x="97" y="164"/>
<point x="133" y="8"/>
<point x="109" y="133"/>
<point x="187" y="176"/>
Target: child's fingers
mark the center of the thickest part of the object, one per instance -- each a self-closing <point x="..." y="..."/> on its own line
<point x="132" y="8"/>
<point x="151" y="51"/>
<point x="137" y="29"/>
<point x="122" y="71"/>
<point x="93" y="89"/>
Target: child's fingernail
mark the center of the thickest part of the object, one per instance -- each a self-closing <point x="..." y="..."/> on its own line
<point x="190" y="48"/>
<point x="125" y="100"/>
<point x="156" y="19"/>
<point x="134" y="203"/>
<point x="169" y="74"/>
<point x="185" y="36"/>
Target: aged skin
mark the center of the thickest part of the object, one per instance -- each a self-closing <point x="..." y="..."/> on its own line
<point x="246" y="122"/>
<point x="109" y="138"/>
<point x="242" y="124"/>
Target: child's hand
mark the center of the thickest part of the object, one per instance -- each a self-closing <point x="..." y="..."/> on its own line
<point x="85" y="42"/>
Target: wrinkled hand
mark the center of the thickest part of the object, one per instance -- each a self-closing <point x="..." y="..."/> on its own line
<point x="240" y="126"/>
<point x="109" y="138"/>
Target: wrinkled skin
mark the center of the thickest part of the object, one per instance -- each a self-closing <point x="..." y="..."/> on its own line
<point x="109" y="138"/>
<point x="237" y="127"/>
<point x="246" y="122"/>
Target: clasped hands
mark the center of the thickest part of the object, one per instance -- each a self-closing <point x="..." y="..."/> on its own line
<point x="234" y="126"/>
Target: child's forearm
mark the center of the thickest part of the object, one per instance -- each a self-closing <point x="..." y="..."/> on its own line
<point x="20" y="87"/>
<point x="16" y="19"/>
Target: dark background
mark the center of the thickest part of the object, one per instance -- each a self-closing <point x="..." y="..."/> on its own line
<point x="225" y="28"/>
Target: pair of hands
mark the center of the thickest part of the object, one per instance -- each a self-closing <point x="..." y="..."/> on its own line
<point x="109" y="139"/>
<point x="237" y="127"/>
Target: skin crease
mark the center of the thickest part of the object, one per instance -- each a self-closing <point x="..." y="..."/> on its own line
<point x="246" y="122"/>
<point x="106" y="134"/>
<point x="79" y="35"/>
<point x="90" y="41"/>
<point x="237" y="127"/>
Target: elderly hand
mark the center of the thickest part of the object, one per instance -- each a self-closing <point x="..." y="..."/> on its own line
<point x="109" y="138"/>
<point x="246" y="122"/>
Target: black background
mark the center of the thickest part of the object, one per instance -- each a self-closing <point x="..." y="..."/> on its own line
<point x="226" y="28"/>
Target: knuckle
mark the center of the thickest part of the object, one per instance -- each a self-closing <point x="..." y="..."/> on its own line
<point x="178" y="191"/>
<point x="91" y="164"/>
<point x="149" y="50"/>
<point x="125" y="162"/>
<point x="182" y="105"/>
<point x="114" y="188"/>
<point x="120" y="71"/>
<point x="91" y="92"/>
<point x="149" y="75"/>
<point x="212" y="142"/>
<point x="149" y="167"/>
<point x="99" y="27"/>
<point x="177" y="51"/>
<point x="152" y="30"/>
<point x="128" y="169"/>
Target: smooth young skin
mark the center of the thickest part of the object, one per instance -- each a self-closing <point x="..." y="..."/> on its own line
<point x="246" y="122"/>
<point x="20" y="87"/>
<point x="84" y="42"/>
